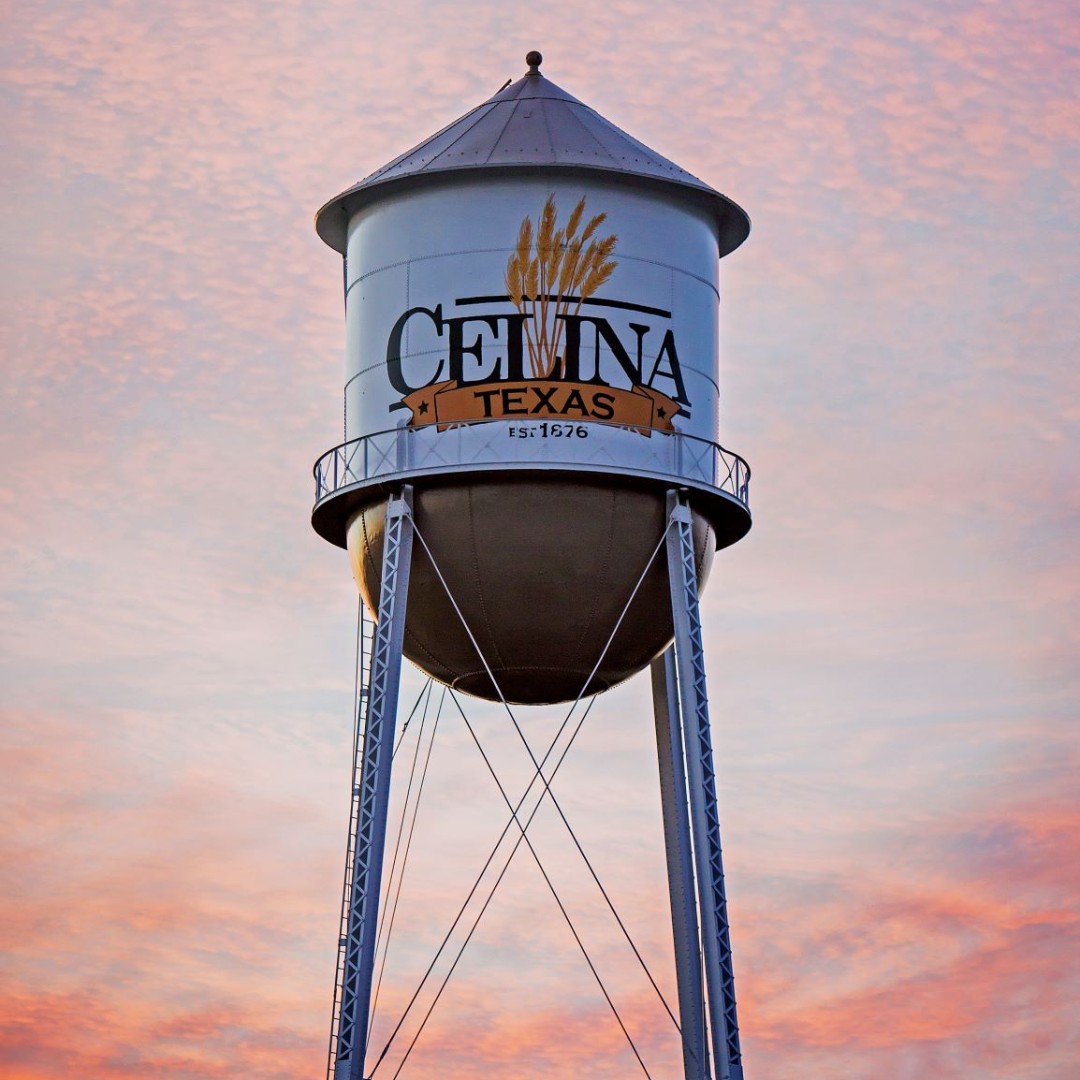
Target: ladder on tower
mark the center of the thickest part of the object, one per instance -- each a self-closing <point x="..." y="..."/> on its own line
<point x="365" y="640"/>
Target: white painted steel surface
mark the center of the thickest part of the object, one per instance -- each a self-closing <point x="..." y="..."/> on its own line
<point x="441" y="253"/>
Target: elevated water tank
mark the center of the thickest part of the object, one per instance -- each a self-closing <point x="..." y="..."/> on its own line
<point x="532" y="304"/>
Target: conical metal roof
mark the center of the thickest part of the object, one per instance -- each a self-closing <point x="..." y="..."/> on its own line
<point x="531" y="124"/>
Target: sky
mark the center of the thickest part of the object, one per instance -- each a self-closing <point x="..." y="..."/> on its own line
<point x="891" y="651"/>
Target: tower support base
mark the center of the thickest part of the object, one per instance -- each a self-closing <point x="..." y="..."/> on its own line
<point x="383" y="684"/>
<point x="682" y="720"/>
<point x="704" y="973"/>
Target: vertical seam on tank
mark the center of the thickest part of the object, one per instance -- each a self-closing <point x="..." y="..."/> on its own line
<point x="602" y="577"/>
<point x="376" y="572"/>
<point x="413" y="638"/>
<point x="457" y="138"/>
<point x="502" y="131"/>
<point x="479" y="587"/>
<point x="408" y="301"/>
<point x="368" y="557"/>
<point x="421" y="647"/>
<point x="547" y="128"/>
<point x="589" y="132"/>
<point x="345" y="388"/>
<point x="699" y="558"/>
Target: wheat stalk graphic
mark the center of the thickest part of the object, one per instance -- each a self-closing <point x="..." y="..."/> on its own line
<point x="566" y="269"/>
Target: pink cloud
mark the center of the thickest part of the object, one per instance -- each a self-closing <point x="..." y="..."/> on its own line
<point x="892" y="650"/>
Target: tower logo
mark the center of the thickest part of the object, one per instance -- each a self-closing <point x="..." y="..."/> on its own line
<point x="553" y="362"/>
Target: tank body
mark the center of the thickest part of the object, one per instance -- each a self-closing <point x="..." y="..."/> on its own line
<point x="541" y="568"/>
<point x="427" y="304"/>
<point x="535" y="351"/>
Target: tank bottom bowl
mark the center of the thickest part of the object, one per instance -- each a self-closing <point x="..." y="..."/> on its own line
<point x="541" y="569"/>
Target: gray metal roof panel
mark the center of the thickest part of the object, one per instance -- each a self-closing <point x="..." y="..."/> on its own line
<point x="531" y="123"/>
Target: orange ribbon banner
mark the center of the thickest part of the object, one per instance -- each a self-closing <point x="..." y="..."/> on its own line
<point x="449" y="402"/>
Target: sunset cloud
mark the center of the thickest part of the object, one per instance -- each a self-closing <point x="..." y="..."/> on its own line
<point x="891" y="651"/>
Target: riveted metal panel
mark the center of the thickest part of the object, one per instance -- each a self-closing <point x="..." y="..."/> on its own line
<point x="431" y="320"/>
<point x="532" y="123"/>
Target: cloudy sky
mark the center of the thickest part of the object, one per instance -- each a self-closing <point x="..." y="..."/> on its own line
<point x="892" y="651"/>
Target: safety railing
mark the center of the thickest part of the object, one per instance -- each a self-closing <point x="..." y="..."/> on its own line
<point x="384" y="454"/>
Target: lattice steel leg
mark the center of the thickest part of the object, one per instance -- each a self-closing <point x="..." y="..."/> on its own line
<point x="680" y="865"/>
<point x="365" y="639"/>
<point x="383" y="685"/>
<point x="694" y="708"/>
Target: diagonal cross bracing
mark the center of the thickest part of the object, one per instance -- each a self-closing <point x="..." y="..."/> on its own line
<point x="538" y="774"/>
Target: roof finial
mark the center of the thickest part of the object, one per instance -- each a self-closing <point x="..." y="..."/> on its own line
<point x="534" y="60"/>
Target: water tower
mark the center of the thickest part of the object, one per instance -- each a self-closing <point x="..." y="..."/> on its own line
<point x="532" y="301"/>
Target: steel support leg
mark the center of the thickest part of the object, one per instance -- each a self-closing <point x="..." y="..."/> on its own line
<point x="383" y="685"/>
<point x="680" y="865"/>
<point x="694" y="708"/>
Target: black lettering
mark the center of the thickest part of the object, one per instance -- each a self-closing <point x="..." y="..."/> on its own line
<point x="515" y="333"/>
<point x="571" y="358"/>
<point x="574" y="401"/>
<point x="393" y="352"/>
<point x="459" y="350"/>
<point x="622" y="357"/>
<point x="514" y="396"/>
<point x="543" y="399"/>
<point x="603" y="406"/>
<point x="571" y="364"/>
<point x="485" y="396"/>
<point x="673" y="371"/>
<point x="633" y="373"/>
